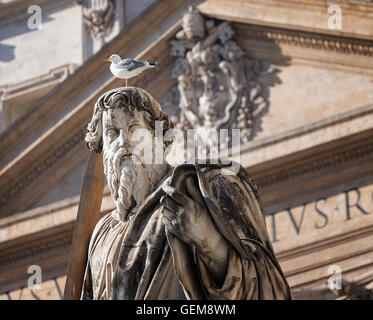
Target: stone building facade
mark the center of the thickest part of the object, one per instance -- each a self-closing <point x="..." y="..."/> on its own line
<point x="298" y="84"/>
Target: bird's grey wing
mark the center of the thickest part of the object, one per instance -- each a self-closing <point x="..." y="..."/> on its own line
<point x="131" y="64"/>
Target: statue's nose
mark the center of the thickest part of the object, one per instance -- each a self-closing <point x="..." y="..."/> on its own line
<point x="123" y="143"/>
<point x="122" y="139"/>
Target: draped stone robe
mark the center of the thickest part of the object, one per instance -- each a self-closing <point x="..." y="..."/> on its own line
<point x="139" y="259"/>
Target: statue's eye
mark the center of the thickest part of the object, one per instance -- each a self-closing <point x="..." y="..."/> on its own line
<point x="133" y="128"/>
<point x="112" y="132"/>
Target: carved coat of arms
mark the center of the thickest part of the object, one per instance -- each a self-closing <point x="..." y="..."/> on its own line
<point x="217" y="85"/>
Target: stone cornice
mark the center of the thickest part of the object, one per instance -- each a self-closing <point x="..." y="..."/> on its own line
<point x="355" y="288"/>
<point x="330" y="161"/>
<point x="324" y="167"/>
<point x="321" y="244"/>
<point x="38" y="249"/>
<point x="30" y="182"/>
<point x="303" y="15"/>
<point x="315" y="165"/>
<point x="53" y="77"/>
<point x="343" y="155"/>
<point x="340" y="118"/>
<point x="50" y="252"/>
<point x="312" y="40"/>
<point x="40" y="219"/>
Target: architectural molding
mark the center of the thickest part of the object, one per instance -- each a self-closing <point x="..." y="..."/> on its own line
<point x="17" y="98"/>
<point x="283" y="47"/>
<point x="311" y="40"/>
<point x="39" y="250"/>
<point x="336" y="157"/>
<point x="340" y="118"/>
<point x="303" y="15"/>
<point x="50" y="253"/>
<point x="44" y="168"/>
<point x="281" y="181"/>
<point x="355" y="288"/>
<point x="329" y="161"/>
<point x="52" y="78"/>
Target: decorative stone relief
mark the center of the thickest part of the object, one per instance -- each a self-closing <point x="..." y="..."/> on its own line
<point x="218" y="86"/>
<point x="98" y="17"/>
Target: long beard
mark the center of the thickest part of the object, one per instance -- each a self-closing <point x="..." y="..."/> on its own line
<point x="129" y="182"/>
<point x="112" y="163"/>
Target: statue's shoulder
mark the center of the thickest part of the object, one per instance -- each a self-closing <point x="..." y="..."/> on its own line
<point x="233" y="178"/>
<point x="231" y="173"/>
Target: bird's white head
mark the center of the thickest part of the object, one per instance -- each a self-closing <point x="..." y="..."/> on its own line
<point x="113" y="58"/>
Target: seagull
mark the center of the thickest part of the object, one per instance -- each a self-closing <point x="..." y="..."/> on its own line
<point x="128" y="68"/>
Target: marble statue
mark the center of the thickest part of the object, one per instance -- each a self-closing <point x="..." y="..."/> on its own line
<point x="184" y="232"/>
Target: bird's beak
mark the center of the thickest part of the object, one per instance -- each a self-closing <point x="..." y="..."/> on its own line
<point x="107" y="60"/>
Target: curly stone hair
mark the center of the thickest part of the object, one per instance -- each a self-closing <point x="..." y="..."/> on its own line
<point x="128" y="99"/>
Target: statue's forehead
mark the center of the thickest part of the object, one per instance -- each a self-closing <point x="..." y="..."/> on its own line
<point x="117" y="117"/>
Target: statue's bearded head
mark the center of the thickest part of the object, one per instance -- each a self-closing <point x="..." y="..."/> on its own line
<point x="117" y="116"/>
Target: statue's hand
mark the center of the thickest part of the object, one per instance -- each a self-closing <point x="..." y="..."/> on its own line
<point x="188" y="220"/>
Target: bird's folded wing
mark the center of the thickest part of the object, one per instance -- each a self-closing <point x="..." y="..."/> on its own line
<point x="131" y="64"/>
